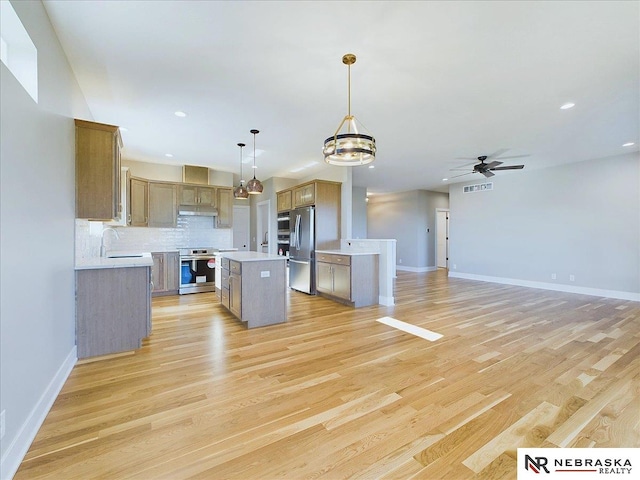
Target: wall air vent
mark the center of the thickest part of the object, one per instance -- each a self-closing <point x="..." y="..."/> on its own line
<point x="481" y="187"/>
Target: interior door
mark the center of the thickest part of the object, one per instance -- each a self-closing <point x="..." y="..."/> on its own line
<point x="442" y="242"/>
<point x="241" y="234"/>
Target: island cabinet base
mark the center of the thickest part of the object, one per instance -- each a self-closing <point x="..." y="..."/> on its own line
<point x="348" y="278"/>
<point x="113" y="309"/>
<point x="254" y="287"/>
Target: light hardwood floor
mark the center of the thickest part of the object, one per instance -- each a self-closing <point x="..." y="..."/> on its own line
<point x="335" y="394"/>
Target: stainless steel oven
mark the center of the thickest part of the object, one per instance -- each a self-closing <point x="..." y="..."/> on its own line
<point x="197" y="270"/>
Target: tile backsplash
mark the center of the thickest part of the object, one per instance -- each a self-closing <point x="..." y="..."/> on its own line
<point x="191" y="232"/>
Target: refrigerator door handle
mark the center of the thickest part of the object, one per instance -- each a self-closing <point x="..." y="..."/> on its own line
<point x="298" y="220"/>
<point x="298" y="261"/>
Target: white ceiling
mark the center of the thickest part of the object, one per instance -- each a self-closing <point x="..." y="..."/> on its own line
<point x="433" y="81"/>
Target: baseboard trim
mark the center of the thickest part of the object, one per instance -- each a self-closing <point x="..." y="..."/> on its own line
<point x="386" y="301"/>
<point x="596" y="292"/>
<point x="416" y="269"/>
<point x="19" y="447"/>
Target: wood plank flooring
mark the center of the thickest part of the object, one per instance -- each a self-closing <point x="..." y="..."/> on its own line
<point x="334" y="394"/>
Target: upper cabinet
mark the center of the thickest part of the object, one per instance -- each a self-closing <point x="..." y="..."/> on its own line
<point x="98" y="149"/>
<point x="225" y="207"/>
<point x="163" y="211"/>
<point x="284" y="201"/>
<point x="304" y="195"/>
<point x="138" y="206"/>
<point x="197" y="195"/>
<point x="326" y="197"/>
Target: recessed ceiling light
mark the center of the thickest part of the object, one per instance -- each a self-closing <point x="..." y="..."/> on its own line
<point x="124" y="129"/>
<point x="170" y="155"/>
<point x="445" y="179"/>
<point x="372" y="166"/>
<point x="180" y="114"/>
<point x="628" y="144"/>
<point x="567" y="106"/>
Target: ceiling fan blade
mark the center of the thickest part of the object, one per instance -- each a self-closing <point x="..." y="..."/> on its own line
<point x="514" y="156"/>
<point x="459" y="169"/>
<point x="512" y="167"/>
<point x="497" y="153"/>
<point x="462" y="175"/>
<point x="488" y="173"/>
<point x="493" y="164"/>
<point x="467" y="158"/>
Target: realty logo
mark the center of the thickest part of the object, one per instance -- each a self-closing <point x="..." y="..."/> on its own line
<point x="537" y="465"/>
<point x="577" y="463"/>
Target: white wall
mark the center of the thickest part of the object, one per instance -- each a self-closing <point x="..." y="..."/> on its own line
<point x="406" y="216"/>
<point x="580" y="219"/>
<point x="359" y="215"/>
<point x="37" y="198"/>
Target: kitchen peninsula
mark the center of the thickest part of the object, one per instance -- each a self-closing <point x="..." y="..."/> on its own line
<point x="113" y="303"/>
<point x="253" y="287"/>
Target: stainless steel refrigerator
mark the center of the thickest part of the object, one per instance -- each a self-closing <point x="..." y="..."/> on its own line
<point x="302" y="246"/>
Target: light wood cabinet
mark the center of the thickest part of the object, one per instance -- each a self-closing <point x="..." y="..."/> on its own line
<point x="113" y="309"/>
<point x="304" y="195"/>
<point x="284" y="201"/>
<point x="165" y="273"/>
<point x="254" y="289"/>
<point x="225" y="207"/>
<point x="138" y="206"/>
<point x="326" y="197"/>
<point x="98" y="194"/>
<point x="163" y="211"/>
<point x="350" y="279"/>
<point x="197" y="195"/>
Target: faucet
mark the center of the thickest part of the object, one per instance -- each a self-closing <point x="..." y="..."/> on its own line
<point x="103" y="248"/>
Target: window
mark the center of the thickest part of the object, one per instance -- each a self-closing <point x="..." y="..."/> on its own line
<point x="17" y="51"/>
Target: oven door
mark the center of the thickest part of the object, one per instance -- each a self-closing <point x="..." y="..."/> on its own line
<point x="197" y="274"/>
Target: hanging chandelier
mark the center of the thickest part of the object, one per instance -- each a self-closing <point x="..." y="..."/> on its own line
<point x="350" y="148"/>
<point x="254" y="186"/>
<point x="241" y="191"/>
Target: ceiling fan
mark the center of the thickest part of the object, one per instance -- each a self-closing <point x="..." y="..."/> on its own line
<point x="487" y="169"/>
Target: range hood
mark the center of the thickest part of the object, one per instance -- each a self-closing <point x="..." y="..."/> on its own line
<point x="197" y="210"/>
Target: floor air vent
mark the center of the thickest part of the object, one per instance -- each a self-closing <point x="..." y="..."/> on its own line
<point x="482" y="187"/>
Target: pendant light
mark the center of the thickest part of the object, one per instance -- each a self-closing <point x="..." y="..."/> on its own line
<point x="350" y="148"/>
<point x="254" y="186"/>
<point x="241" y="191"/>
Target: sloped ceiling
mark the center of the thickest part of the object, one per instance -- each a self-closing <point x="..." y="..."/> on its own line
<point x="436" y="83"/>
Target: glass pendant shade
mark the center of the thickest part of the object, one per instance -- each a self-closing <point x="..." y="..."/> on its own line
<point x="349" y="148"/>
<point x="241" y="191"/>
<point x="254" y="186"/>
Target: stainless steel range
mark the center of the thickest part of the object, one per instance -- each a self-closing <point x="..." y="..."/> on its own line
<point x="197" y="270"/>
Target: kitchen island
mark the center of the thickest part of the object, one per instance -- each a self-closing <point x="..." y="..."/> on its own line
<point x="253" y="287"/>
<point x="348" y="277"/>
<point x="113" y="303"/>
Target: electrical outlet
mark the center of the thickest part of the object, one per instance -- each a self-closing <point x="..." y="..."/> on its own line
<point x="399" y="260"/>
<point x="2" y="428"/>
<point x="265" y="274"/>
<point x="553" y="276"/>
<point x="572" y="278"/>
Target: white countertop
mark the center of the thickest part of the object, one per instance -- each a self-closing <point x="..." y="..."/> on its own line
<point x="143" y="260"/>
<point x="345" y="252"/>
<point x="251" y="256"/>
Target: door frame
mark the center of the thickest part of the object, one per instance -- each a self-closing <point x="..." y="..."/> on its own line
<point x="261" y="223"/>
<point x="445" y="233"/>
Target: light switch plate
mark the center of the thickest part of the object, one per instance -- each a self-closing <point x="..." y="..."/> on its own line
<point x="265" y="274"/>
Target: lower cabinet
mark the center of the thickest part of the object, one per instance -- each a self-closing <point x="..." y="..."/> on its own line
<point x="254" y="289"/>
<point x="113" y="309"/>
<point x="165" y="273"/>
<point x="350" y="279"/>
